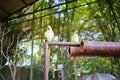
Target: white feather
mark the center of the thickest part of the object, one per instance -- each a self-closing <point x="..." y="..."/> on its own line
<point x="49" y="34"/>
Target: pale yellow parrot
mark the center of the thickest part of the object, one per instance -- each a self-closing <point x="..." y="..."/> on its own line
<point x="75" y="37"/>
<point x="49" y="35"/>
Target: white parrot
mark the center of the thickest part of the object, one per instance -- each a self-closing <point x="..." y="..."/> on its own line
<point x="49" y="34"/>
<point x="75" y="37"/>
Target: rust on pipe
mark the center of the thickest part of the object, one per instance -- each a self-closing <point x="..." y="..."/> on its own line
<point x="91" y="48"/>
<point x="74" y="51"/>
<point x="46" y="66"/>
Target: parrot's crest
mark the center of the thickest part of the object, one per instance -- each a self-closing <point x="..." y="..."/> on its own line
<point x="49" y="27"/>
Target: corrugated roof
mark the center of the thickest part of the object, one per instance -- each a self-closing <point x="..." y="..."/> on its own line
<point x="8" y="7"/>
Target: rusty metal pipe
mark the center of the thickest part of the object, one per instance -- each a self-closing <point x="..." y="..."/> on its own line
<point x="74" y="51"/>
<point x="90" y="48"/>
<point x="46" y="67"/>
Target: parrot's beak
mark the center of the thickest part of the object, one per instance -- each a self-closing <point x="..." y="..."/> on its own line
<point x="48" y="28"/>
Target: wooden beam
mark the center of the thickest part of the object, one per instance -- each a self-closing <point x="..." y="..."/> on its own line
<point x="24" y="2"/>
<point x="4" y="10"/>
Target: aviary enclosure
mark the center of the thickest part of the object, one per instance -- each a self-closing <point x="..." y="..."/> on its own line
<point x="22" y="37"/>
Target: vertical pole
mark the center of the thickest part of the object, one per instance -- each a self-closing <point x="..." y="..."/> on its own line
<point x="60" y="74"/>
<point x="46" y="66"/>
<point x="75" y="67"/>
<point x="32" y="59"/>
<point x="46" y="70"/>
<point x="1" y="44"/>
